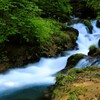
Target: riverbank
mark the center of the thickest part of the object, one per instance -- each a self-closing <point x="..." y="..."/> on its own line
<point x="83" y="84"/>
<point x="15" y="55"/>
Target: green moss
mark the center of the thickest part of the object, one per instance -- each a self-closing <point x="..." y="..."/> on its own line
<point x="70" y="85"/>
<point x="72" y="60"/>
<point x="56" y="91"/>
<point x="73" y="95"/>
<point x="92" y="50"/>
<point x="91" y="68"/>
<point x="87" y="23"/>
<point x="92" y="47"/>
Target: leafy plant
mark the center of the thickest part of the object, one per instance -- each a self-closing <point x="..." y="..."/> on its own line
<point x="15" y="16"/>
<point x="95" y="5"/>
<point x="55" y="7"/>
<point x="74" y="95"/>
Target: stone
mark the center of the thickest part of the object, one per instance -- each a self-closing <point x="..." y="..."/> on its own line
<point x="98" y="23"/>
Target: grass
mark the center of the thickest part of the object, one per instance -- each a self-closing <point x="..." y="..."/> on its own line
<point x="78" y="84"/>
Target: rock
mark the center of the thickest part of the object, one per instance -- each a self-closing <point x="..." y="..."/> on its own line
<point x="72" y="61"/>
<point x="73" y="34"/>
<point x="88" y="25"/>
<point x="98" y="23"/>
<point x="61" y="17"/>
<point x="99" y="43"/>
<point x="94" y="51"/>
<point x="70" y="29"/>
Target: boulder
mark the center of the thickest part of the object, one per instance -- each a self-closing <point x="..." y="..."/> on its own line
<point x="99" y="43"/>
<point x="98" y="23"/>
<point x="72" y="61"/>
<point x="94" y="51"/>
<point x="73" y="34"/>
<point x="88" y="25"/>
<point x="70" y="29"/>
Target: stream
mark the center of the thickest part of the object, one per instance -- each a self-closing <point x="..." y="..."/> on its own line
<point x="30" y="82"/>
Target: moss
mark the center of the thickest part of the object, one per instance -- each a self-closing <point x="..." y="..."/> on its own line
<point x="93" y="51"/>
<point x="73" y="95"/>
<point x="91" y="68"/>
<point x="78" y="83"/>
<point x="88" y="25"/>
<point x="55" y="91"/>
<point x="73" y="60"/>
<point x="92" y="47"/>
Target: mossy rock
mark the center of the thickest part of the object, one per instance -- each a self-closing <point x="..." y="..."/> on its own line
<point x="73" y="33"/>
<point x="88" y="25"/>
<point x="94" y="51"/>
<point x="73" y="60"/>
<point x="70" y="30"/>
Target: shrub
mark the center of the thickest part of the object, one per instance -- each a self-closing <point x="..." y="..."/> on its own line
<point x="15" y="16"/>
<point x="95" y="5"/>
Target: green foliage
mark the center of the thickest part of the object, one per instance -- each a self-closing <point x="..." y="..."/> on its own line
<point x="52" y="7"/>
<point x="70" y="77"/>
<point x="72" y="72"/>
<point x="15" y="16"/>
<point x="91" y="68"/>
<point x="22" y="17"/>
<point x="73" y="95"/>
<point x="59" y="75"/>
<point x="87" y="23"/>
<point x="41" y="29"/>
<point x="55" y="91"/>
<point x="95" y="5"/>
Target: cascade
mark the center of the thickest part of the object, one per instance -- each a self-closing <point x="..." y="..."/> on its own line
<point x="42" y="73"/>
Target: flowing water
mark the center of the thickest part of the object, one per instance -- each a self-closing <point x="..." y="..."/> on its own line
<point x="25" y="83"/>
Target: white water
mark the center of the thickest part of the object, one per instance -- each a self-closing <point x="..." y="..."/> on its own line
<point x="85" y="63"/>
<point x="43" y="71"/>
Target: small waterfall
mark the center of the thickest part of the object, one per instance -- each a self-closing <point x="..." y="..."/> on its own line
<point x="42" y="73"/>
<point x="85" y="40"/>
<point x="88" y="62"/>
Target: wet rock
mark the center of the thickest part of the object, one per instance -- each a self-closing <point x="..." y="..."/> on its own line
<point x="70" y="30"/>
<point x="73" y="34"/>
<point x="99" y="43"/>
<point x="72" y="61"/>
<point x="94" y="51"/>
<point x="88" y="25"/>
<point x="98" y="23"/>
